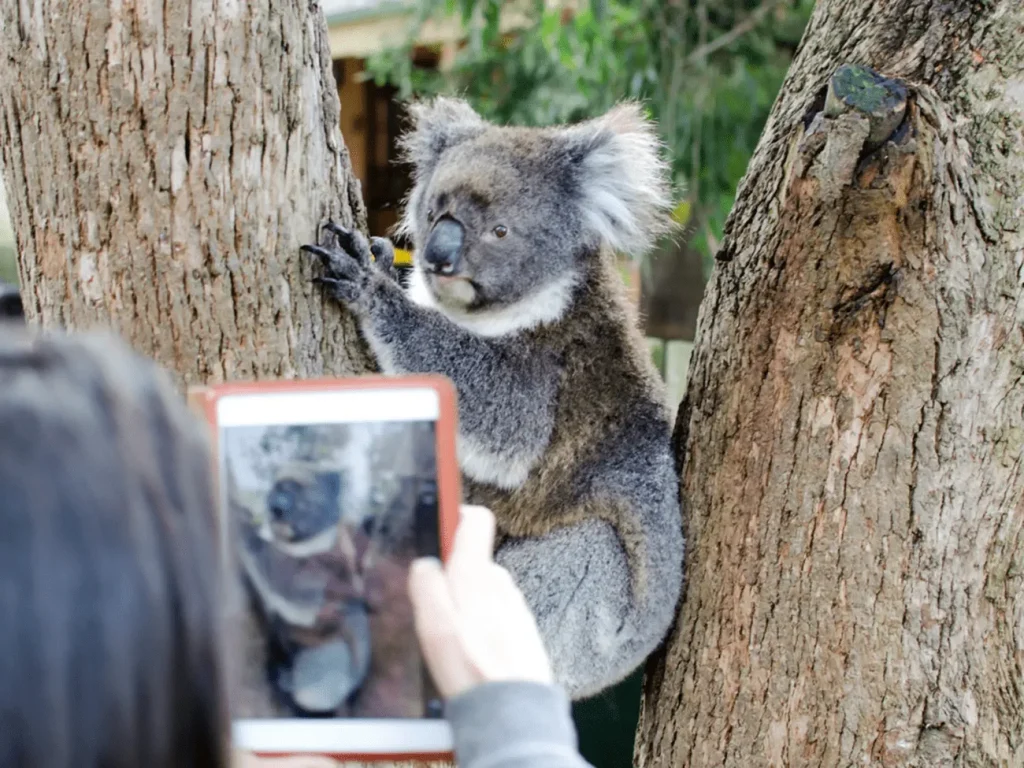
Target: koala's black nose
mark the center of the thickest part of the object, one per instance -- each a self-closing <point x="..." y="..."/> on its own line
<point x="282" y="499"/>
<point x="444" y="245"/>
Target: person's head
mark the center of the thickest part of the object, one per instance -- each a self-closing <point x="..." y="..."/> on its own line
<point x="109" y="631"/>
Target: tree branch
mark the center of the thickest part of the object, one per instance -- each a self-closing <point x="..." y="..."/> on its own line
<point x="756" y="17"/>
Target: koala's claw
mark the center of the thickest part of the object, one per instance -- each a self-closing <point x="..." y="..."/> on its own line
<point x="349" y="260"/>
<point x="336" y="228"/>
<point x="344" y="277"/>
<point x="351" y="241"/>
<point x="334" y="260"/>
<point x="340" y="290"/>
<point x="317" y="250"/>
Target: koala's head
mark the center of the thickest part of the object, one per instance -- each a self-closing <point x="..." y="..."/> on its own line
<point x="502" y="214"/>
<point x="303" y="502"/>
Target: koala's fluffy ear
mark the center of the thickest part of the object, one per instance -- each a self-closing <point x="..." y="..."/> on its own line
<point x="624" y="190"/>
<point x="437" y="125"/>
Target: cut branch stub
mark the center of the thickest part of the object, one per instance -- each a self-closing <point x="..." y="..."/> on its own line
<point x="883" y="101"/>
<point x="863" y="136"/>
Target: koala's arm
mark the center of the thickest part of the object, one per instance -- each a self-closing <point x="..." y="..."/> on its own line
<point x="507" y="391"/>
<point x="501" y="389"/>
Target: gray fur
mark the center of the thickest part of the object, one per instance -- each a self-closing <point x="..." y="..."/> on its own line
<point x="563" y="428"/>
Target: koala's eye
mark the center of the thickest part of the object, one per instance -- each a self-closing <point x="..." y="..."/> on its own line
<point x="430" y="214"/>
<point x="500" y="230"/>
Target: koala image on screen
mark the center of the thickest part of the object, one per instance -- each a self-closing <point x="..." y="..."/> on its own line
<point x="564" y="429"/>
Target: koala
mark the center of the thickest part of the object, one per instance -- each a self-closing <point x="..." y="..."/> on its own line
<point x="305" y="503"/>
<point x="564" y="430"/>
<point x="297" y="558"/>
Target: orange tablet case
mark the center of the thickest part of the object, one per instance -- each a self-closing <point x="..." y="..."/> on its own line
<point x="204" y="401"/>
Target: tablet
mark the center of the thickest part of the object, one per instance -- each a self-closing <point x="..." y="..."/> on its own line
<point x="329" y="489"/>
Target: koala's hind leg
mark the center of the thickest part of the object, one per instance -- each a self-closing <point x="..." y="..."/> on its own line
<point x="577" y="582"/>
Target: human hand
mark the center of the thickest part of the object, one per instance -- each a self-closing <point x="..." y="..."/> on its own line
<point x="473" y="623"/>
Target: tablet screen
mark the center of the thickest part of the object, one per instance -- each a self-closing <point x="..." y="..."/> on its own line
<point x="327" y="497"/>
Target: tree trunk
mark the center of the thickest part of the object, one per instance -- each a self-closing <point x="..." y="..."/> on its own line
<point x="164" y="161"/>
<point x="851" y="441"/>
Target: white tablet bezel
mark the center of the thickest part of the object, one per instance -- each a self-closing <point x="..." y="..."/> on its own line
<point x="341" y="736"/>
<point x="365" y="737"/>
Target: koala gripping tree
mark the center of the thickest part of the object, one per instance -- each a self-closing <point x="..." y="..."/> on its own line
<point x="852" y="438"/>
<point x="164" y="161"/>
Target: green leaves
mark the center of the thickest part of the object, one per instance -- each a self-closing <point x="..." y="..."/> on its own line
<point x="710" y="94"/>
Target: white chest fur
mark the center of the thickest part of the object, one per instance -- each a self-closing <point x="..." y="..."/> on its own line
<point x="507" y="472"/>
<point x="547" y="304"/>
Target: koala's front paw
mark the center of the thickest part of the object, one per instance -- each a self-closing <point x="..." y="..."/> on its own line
<point x="347" y="264"/>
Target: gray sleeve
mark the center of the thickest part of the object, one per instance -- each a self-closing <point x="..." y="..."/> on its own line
<point x="514" y="725"/>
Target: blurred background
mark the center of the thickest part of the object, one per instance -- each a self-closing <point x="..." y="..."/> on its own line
<point x="707" y="70"/>
<point x="8" y="269"/>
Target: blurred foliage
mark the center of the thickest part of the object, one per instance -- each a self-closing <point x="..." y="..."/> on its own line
<point x="708" y="71"/>
<point x="8" y="264"/>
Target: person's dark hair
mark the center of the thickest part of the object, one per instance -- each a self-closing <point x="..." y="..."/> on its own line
<point x="110" y="641"/>
<point x="10" y="301"/>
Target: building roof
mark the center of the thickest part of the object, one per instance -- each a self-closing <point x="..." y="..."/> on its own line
<point x="352" y="10"/>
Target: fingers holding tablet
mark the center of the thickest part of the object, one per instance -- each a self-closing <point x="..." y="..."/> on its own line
<point x="436" y="620"/>
<point x="472" y="621"/>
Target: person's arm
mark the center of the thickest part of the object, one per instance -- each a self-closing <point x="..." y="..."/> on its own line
<point x="484" y="651"/>
<point x="514" y="725"/>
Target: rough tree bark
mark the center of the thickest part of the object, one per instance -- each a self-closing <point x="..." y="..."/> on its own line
<point x="164" y="161"/>
<point x="851" y="442"/>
